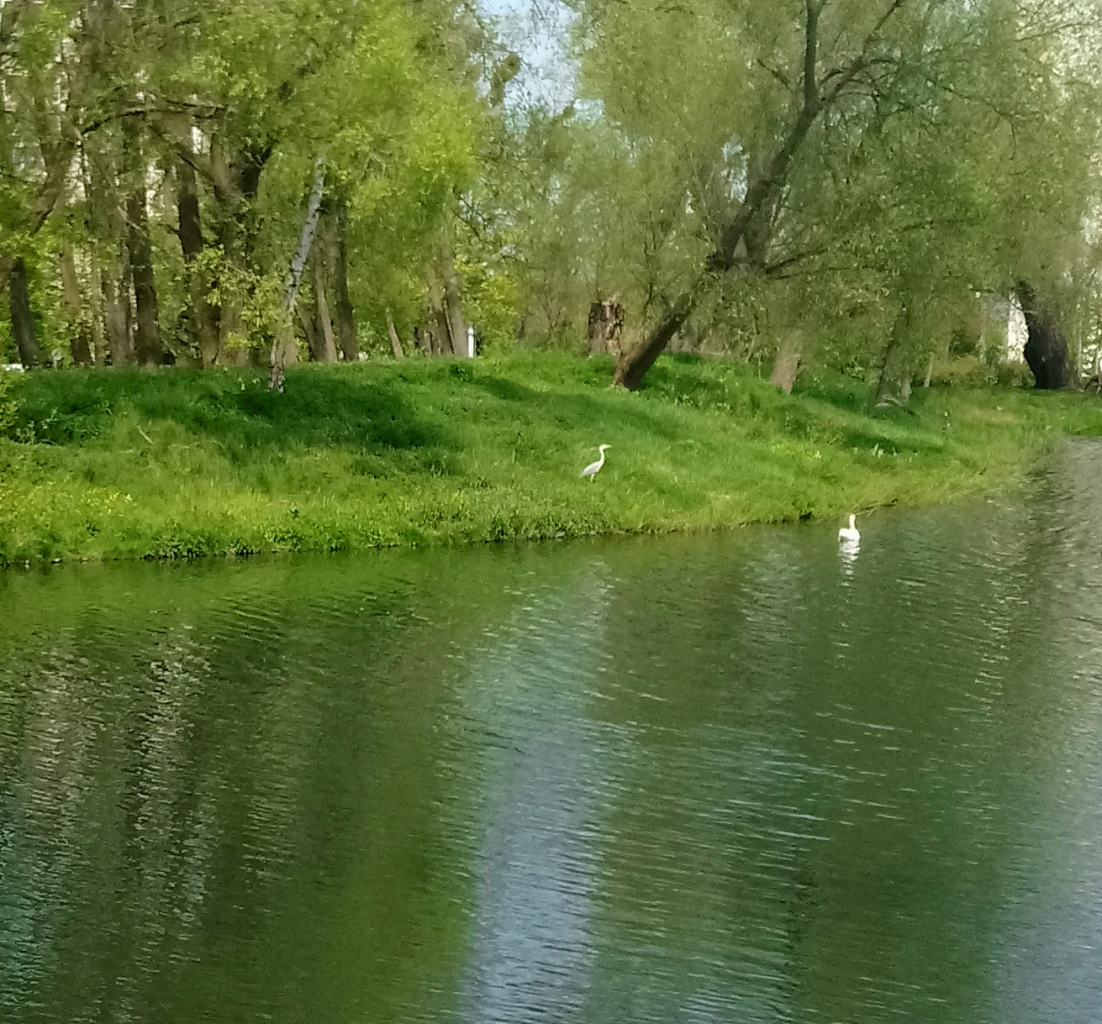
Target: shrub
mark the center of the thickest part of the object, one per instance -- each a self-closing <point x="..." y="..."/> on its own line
<point x="7" y="401"/>
<point x="970" y="370"/>
<point x="1015" y="375"/>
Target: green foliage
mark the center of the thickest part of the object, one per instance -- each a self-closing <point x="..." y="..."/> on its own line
<point x="492" y="302"/>
<point x="184" y="463"/>
<point x="7" y="402"/>
<point x="966" y="370"/>
<point x="962" y="158"/>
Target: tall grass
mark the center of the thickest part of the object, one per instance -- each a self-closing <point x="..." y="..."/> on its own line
<point x="124" y="464"/>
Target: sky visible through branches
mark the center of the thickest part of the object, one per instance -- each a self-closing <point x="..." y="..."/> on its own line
<point x="538" y="30"/>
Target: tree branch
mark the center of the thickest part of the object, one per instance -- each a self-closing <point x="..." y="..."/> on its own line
<point x="813" y="8"/>
<point x="842" y="76"/>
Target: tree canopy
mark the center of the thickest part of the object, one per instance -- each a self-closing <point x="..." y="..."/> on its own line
<point x="806" y="181"/>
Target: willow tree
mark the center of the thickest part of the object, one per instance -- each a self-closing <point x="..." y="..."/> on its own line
<point x="777" y="88"/>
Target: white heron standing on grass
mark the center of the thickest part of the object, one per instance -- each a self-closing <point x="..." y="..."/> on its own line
<point x="595" y="467"/>
<point x="849" y="534"/>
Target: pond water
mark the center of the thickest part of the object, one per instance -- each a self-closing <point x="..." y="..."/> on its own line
<point x="734" y="778"/>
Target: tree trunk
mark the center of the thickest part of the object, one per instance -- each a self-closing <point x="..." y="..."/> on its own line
<point x="395" y="341"/>
<point x="1046" y="349"/>
<point x="327" y="345"/>
<point x="206" y="333"/>
<point x="453" y="307"/>
<point x="786" y="365"/>
<point x="80" y="335"/>
<point x="310" y="330"/>
<point x="744" y="238"/>
<point x="438" y="335"/>
<point x="115" y="317"/>
<point x="605" y="327"/>
<point x="895" y="370"/>
<point x="22" y="317"/>
<point x="147" y="330"/>
<point x="346" y="314"/>
<point x="632" y="366"/>
<point x="443" y="285"/>
<point x="99" y="334"/>
<point x="284" y="351"/>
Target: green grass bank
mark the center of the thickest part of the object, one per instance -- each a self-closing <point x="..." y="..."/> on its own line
<point x="177" y="463"/>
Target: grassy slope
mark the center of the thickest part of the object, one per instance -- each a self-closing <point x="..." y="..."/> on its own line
<point x="181" y="463"/>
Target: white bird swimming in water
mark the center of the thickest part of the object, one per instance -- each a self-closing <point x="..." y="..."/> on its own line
<point x="594" y="467"/>
<point x="849" y="534"/>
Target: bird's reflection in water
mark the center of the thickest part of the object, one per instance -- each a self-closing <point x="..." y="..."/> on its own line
<point x="847" y="556"/>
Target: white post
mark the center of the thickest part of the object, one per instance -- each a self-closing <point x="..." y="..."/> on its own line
<point x="470" y="343"/>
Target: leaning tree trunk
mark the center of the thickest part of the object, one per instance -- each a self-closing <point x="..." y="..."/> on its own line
<point x="606" y="327"/>
<point x="395" y="341"/>
<point x="283" y="350"/>
<point x="745" y="235"/>
<point x="633" y="364"/>
<point x="22" y="316"/>
<point x="1046" y="349"/>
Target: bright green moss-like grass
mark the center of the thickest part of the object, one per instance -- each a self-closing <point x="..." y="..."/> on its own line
<point x="177" y="463"/>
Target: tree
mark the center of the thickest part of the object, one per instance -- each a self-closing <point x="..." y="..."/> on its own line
<point x="799" y="101"/>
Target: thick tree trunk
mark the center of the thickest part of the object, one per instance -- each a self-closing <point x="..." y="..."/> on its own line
<point x="895" y="371"/>
<point x="606" y="327"/>
<point x="395" y="341"/>
<point x="1046" y="349"/>
<point x="235" y="179"/>
<point x="346" y="314"/>
<point x="206" y="333"/>
<point x="632" y="366"/>
<point x="147" y="329"/>
<point x="80" y="334"/>
<point x="786" y="364"/>
<point x="22" y="316"/>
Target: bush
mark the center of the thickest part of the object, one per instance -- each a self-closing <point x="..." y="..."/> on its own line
<point x="970" y="370"/>
<point x="1015" y="375"/>
<point x="7" y="401"/>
